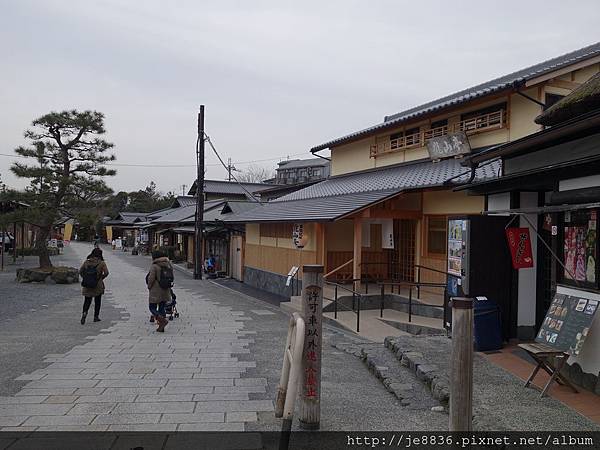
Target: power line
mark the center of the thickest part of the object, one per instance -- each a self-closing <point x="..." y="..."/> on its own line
<point x="179" y="165"/>
<point x="207" y="138"/>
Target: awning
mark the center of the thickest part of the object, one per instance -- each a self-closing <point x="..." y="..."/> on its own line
<point x="545" y="209"/>
<point x="164" y="231"/>
<point x="192" y="230"/>
<point x="183" y="230"/>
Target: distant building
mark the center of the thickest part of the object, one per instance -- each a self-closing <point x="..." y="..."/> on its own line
<point x="297" y="171"/>
<point x="229" y="190"/>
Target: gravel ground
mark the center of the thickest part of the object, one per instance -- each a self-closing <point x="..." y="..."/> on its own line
<point x="500" y="402"/>
<point x="40" y="318"/>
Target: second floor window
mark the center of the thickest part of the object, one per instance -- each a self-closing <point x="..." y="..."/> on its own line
<point x="489" y="117"/>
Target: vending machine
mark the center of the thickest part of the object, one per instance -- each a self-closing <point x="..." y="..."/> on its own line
<point x="479" y="263"/>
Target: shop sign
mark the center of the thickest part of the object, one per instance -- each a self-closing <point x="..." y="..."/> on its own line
<point x="519" y="243"/>
<point x="452" y="144"/>
<point x="298" y="235"/>
<point x="568" y="322"/>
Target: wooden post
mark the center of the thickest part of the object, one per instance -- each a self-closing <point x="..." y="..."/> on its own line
<point x="2" y="249"/>
<point x="356" y="265"/>
<point x="312" y="313"/>
<point x="14" y="249"/>
<point x="461" y="370"/>
<point x="23" y="240"/>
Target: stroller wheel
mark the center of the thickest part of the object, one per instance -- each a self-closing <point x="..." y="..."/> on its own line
<point x="176" y="314"/>
<point x="170" y="317"/>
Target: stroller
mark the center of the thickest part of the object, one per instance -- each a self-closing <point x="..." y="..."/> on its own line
<point x="170" y="308"/>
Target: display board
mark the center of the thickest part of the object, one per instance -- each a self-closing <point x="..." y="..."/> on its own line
<point x="455" y="246"/>
<point x="568" y="322"/>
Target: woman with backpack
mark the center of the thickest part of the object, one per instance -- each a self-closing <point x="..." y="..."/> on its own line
<point x="93" y="272"/>
<point x="159" y="282"/>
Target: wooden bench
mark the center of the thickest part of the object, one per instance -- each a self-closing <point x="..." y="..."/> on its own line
<point x="543" y="355"/>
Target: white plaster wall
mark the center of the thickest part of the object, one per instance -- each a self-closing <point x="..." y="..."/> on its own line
<point x="589" y="357"/>
<point x="499" y="202"/>
<point x="527" y="277"/>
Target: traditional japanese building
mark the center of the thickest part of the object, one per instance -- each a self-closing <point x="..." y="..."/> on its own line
<point x="550" y="186"/>
<point x="383" y="212"/>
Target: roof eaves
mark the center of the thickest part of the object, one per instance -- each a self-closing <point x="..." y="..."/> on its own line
<point x="509" y="81"/>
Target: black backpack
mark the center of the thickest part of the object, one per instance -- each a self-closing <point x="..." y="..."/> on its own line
<point x="166" y="278"/>
<point x="90" y="277"/>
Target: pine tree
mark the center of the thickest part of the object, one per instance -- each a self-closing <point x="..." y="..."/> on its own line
<point x="70" y="160"/>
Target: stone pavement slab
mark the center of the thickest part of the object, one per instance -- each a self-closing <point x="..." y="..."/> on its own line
<point x="128" y="377"/>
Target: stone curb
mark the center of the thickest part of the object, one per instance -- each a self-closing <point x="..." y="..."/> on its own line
<point x="402" y="391"/>
<point x="428" y="373"/>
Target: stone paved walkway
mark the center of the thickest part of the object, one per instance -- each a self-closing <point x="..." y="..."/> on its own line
<point x="129" y="377"/>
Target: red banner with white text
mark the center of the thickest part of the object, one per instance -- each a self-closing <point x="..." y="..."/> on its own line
<point x="519" y="242"/>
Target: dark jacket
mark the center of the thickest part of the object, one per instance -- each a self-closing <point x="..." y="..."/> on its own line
<point x="101" y="270"/>
<point x="157" y="294"/>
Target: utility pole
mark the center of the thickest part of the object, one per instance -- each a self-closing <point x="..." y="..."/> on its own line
<point x="230" y="168"/>
<point x="199" y="237"/>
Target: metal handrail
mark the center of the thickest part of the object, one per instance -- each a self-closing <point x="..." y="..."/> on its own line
<point x="356" y="301"/>
<point x="411" y="285"/>
<point x="431" y="269"/>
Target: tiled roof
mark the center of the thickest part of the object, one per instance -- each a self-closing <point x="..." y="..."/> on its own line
<point x="184" y="200"/>
<point x="481" y="90"/>
<point x="584" y="99"/>
<point x="229" y="187"/>
<point x="342" y="195"/>
<point x="177" y="215"/>
<point x="310" y="210"/>
<point x="297" y="163"/>
<point x="183" y="213"/>
<point x="416" y="175"/>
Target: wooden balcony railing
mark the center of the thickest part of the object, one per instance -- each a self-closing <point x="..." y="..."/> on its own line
<point x="484" y="122"/>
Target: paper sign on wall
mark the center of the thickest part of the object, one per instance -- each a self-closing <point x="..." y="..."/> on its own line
<point x="387" y="233"/>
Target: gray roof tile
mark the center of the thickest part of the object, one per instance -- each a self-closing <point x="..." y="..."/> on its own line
<point x="229" y="187"/>
<point x="310" y="210"/>
<point x="416" y="175"/>
<point x="345" y="194"/>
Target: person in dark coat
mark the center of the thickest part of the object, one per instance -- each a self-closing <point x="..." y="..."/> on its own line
<point x="157" y="295"/>
<point x="95" y="260"/>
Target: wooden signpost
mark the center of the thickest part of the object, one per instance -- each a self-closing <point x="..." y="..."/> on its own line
<point x="461" y="370"/>
<point x="312" y="313"/>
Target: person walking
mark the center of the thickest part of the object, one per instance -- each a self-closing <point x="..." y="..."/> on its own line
<point x="159" y="282"/>
<point x="93" y="271"/>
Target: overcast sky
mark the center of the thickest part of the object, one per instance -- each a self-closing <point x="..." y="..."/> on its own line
<point x="277" y="77"/>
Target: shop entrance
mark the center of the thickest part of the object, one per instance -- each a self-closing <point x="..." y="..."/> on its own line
<point x="403" y="264"/>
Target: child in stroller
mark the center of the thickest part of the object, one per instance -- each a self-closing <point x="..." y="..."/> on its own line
<point x="170" y="308"/>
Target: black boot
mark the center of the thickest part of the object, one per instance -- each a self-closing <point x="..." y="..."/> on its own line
<point x="83" y="316"/>
<point x="96" y="319"/>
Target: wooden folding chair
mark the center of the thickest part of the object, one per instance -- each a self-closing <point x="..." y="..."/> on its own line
<point x="543" y="355"/>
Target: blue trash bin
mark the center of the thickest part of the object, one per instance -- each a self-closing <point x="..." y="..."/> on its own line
<point x="488" y="326"/>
